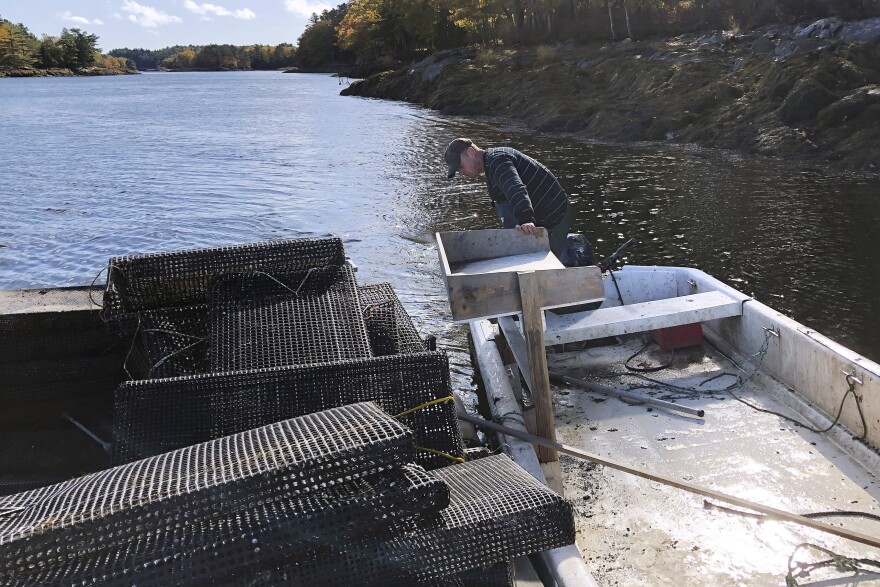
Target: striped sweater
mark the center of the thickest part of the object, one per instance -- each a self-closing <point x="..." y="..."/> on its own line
<point x="532" y="191"/>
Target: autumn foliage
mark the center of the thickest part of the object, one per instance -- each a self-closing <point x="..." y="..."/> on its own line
<point x="397" y="30"/>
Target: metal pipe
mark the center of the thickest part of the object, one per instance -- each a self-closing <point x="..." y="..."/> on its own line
<point x="630" y="396"/>
<point x="108" y="448"/>
<point x="770" y="512"/>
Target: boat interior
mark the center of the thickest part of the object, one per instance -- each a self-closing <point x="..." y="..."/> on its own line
<point x="680" y="375"/>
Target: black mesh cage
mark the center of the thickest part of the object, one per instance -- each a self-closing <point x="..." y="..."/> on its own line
<point x="263" y="320"/>
<point x="159" y="415"/>
<point x="170" y="342"/>
<point x="184" y="278"/>
<point x="389" y="326"/>
<point x="222" y="508"/>
<point x="497" y="512"/>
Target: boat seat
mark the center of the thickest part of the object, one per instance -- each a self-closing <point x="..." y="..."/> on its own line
<point x="618" y="320"/>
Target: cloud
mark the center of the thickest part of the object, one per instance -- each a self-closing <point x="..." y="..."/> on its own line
<point x="68" y="16"/>
<point x="207" y="9"/>
<point x="147" y="16"/>
<point x="305" y="7"/>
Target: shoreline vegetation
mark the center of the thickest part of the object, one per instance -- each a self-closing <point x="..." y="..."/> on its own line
<point x="75" y="53"/>
<point x="795" y="92"/>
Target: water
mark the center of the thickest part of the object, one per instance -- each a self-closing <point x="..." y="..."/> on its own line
<point x="97" y="167"/>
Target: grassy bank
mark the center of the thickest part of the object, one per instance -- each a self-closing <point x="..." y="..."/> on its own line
<point x="788" y="92"/>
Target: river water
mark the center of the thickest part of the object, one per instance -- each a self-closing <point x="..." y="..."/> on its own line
<point x="97" y="167"/>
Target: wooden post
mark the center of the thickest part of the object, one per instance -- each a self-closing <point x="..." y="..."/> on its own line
<point x="533" y="329"/>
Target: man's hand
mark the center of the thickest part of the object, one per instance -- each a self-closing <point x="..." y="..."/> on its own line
<point x="528" y="228"/>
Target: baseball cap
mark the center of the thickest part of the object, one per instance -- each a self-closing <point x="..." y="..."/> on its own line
<point x="453" y="154"/>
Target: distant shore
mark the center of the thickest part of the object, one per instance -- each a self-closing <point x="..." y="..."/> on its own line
<point x="61" y="72"/>
<point x="809" y="92"/>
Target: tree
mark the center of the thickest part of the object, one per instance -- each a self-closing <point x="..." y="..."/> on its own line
<point x="480" y="18"/>
<point x="18" y="47"/>
<point x="315" y="47"/>
<point x="358" y="30"/>
<point x="77" y="48"/>
<point x="51" y="54"/>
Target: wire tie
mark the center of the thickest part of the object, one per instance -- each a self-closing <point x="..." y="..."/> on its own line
<point x="439" y="452"/>
<point x="448" y="398"/>
<point x="303" y="282"/>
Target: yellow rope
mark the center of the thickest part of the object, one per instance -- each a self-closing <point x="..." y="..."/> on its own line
<point x="426" y="405"/>
<point x="441" y="453"/>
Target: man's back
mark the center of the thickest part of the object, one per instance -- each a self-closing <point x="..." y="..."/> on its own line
<point x="532" y="191"/>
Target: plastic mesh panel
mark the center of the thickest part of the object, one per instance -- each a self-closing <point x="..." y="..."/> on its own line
<point x="260" y="320"/>
<point x="184" y="278"/>
<point x="170" y="342"/>
<point x="373" y="513"/>
<point x="155" y="416"/>
<point x="207" y="509"/>
<point x="390" y="328"/>
<point x="497" y="512"/>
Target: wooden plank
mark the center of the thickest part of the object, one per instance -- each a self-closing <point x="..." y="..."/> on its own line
<point x="525" y="262"/>
<point x="486" y="295"/>
<point x="533" y="329"/>
<point x="473" y="245"/>
<point x="640" y="317"/>
<point x="480" y="266"/>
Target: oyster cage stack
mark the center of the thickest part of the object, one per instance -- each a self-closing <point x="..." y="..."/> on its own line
<point x="281" y="425"/>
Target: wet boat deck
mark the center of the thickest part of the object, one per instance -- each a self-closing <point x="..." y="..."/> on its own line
<point x="637" y="532"/>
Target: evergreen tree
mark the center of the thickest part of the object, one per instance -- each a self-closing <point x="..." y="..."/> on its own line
<point x="77" y="48"/>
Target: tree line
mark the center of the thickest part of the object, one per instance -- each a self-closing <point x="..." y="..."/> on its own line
<point x="211" y="57"/>
<point x="398" y="30"/>
<point x="72" y="49"/>
<point x="77" y="49"/>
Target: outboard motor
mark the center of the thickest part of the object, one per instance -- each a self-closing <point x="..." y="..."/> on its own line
<point x="578" y="252"/>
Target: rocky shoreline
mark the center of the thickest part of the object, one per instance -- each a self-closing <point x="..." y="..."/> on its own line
<point x="797" y="92"/>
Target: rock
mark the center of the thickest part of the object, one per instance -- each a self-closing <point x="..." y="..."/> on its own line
<point x="861" y="30"/>
<point x="432" y="71"/>
<point x="788" y="48"/>
<point x="824" y="28"/>
<point x="850" y="107"/>
<point x="804" y="102"/>
<point x="737" y="65"/>
<point x="713" y="39"/>
<point x="763" y="45"/>
<point x="583" y="63"/>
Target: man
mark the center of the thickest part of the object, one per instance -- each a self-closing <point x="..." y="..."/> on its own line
<point x="524" y="192"/>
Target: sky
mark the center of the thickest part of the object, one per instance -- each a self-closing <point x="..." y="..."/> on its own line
<point x="154" y="24"/>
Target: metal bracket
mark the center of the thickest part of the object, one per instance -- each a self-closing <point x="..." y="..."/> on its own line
<point x="852" y="378"/>
<point x="771" y="330"/>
